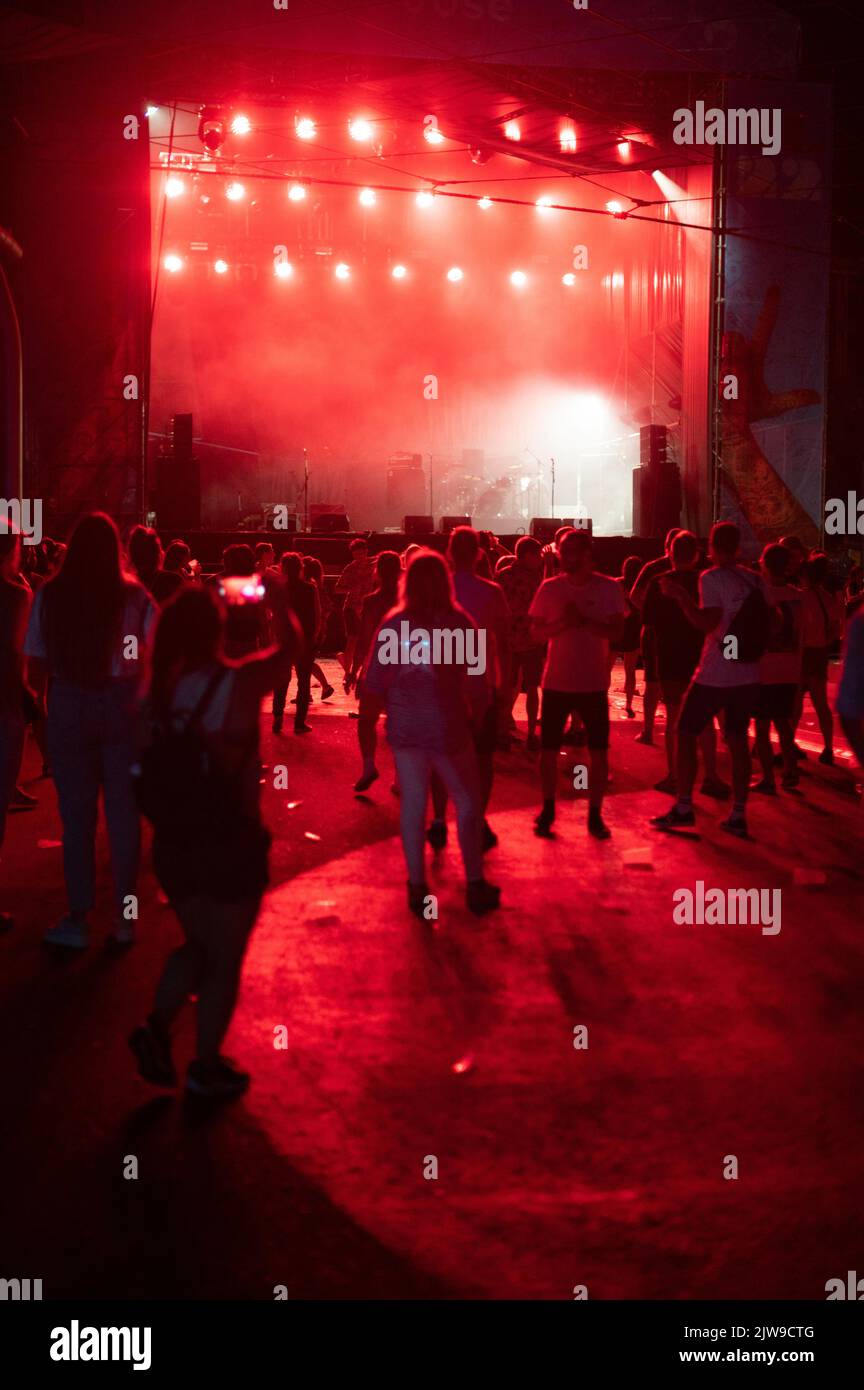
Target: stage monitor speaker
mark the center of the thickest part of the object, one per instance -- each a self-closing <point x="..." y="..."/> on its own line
<point x="543" y="528"/>
<point x="330" y="523"/>
<point x="418" y="525"/>
<point x="449" y="523"/>
<point x="656" y="500"/>
<point x="653" y="446"/>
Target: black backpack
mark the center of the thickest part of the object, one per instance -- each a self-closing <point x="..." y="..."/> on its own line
<point x="752" y="625"/>
<point x="178" y="788"/>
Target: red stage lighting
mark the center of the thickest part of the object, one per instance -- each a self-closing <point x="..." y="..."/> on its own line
<point x="241" y="125"/>
<point x="567" y="138"/>
<point x="399" y="272"/>
<point x="235" y="192"/>
<point x="296" y="193"/>
<point x="342" y="271"/>
<point x="454" y="274"/>
<point x="360" y="129"/>
<point x="424" y="199"/>
<point x="283" y="270"/>
<point x="615" y="207"/>
<point x="543" y="204"/>
<point x="433" y="135"/>
<point x="512" y="130"/>
<point x="624" y="148"/>
<point x="220" y="266"/>
<point x="569" y="278"/>
<point x="211" y="128"/>
<point x="484" y="203"/>
<point x="367" y="197"/>
<point x="519" y="279"/>
<point x="174" y="187"/>
<point x="173" y="263"/>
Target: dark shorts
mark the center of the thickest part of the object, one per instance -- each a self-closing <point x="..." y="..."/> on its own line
<point x="702" y="702"/>
<point x="649" y="654"/>
<point x="776" y="701"/>
<point x="526" y="669"/>
<point x="592" y="706"/>
<point x="814" y="664"/>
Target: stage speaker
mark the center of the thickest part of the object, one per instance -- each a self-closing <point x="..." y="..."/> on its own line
<point x="177" y="500"/>
<point x="449" y="523"/>
<point x="406" y="490"/>
<point x="656" y="500"/>
<point x="543" y="528"/>
<point x="330" y="523"/>
<point x="653" y="446"/>
<point x="418" y="525"/>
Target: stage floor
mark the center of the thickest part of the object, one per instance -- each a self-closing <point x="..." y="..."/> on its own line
<point x="557" y="1167"/>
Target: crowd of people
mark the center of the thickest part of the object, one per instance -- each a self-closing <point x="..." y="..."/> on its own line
<point x="142" y="681"/>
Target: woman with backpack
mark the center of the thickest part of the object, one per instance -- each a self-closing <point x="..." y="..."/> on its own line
<point x="88" y="633"/>
<point x="199" y="786"/>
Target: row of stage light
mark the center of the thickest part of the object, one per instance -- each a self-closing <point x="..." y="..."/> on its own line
<point x="214" y="123"/>
<point x="284" y="270"/>
<point x="235" y="192"/>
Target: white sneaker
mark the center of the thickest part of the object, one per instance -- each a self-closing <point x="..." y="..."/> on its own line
<point x="68" y="932"/>
<point x="123" y="933"/>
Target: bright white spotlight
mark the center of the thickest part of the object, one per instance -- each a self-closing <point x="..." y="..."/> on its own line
<point x="220" y="266"/>
<point x="150" y="110"/>
<point x="342" y="271"/>
<point x="544" y="204"/>
<point x="433" y="135"/>
<point x="624" y="148"/>
<point x="569" y="278"/>
<point x="296" y="193"/>
<point x="519" y="279"/>
<point x="367" y="197"/>
<point x="241" y="125"/>
<point x="454" y="274"/>
<point x="484" y="203"/>
<point x="614" y="207"/>
<point x="173" y="263"/>
<point x="305" y="128"/>
<point x="174" y="187"/>
<point x="399" y="272"/>
<point x="567" y="138"/>
<point x="235" y="192"/>
<point x="512" y="130"/>
<point x="425" y="199"/>
<point x="283" y="270"/>
<point x="360" y="129"/>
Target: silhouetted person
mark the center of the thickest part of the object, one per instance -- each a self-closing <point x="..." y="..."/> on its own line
<point x="302" y="597"/>
<point x="15" y="599"/>
<point x="388" y="572"/>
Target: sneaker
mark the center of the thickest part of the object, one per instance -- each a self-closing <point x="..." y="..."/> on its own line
<point x="631" y="713"/>
<point x="826" y="757"/>
<point x="673" y="819"/>
<point x="490" y="839"/>
<point x="598" y="827"/>
<point x="123" y="932"/>
<point x="69" y="933"/>
<point x="765" y="785"/>
<point x="303" y="728"/>
<point x="482" y="897"/>
<point x="327" y="691"/>
<point x="669" y="785"/>
<point x="716" y="787"/>
<point x="219" y="1080"/>
<point x="417" y="895"/>
<point x="153" y="1053"/>
<point x="735" y="825"/>
<point x="436" y="835"/>
<point x="543" y="826"/>
<point x="364" y="783"/>
<point x="647" y="739"/>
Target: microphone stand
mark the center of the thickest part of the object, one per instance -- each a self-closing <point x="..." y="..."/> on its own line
<point x="305" y="491"/>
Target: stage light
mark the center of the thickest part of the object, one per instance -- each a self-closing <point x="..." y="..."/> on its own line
<point x="342" y="271"/>
<point x="235" y="192"/>
<point x="360" y="129"/>
<point x="454" y="274"/>
<point x="433" y="135"/>
<point x="211" y="128"/>
<point x="567" y="139"/>
<point x="519" y="279"/>
<point x="220" y="267"/>
<point x="484" y="203"/>
<point x="367" y="197"/>
<point x="150" y="111"/>
<point x="543" y="204"/>
<point x="624" y="148"/>
<point x="241" y="125"/>
<point x="399" y="272"/>
<point x="569" y="278"/>
<point x="425" y="200"/>
<point x="614" y="207"/>
<point x="305" y="128"/>
<point x="512" y="131"/>
<point x="173" y="263"/>
<point x="297" y="193"/>
<point x="283" y="270"/>
<point x="174" y="187"/>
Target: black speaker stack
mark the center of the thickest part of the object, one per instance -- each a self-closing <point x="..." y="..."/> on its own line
<point x="656" y="485"/>
<point x="177" y="491"/>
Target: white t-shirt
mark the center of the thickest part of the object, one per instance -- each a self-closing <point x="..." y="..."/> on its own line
<point x="725" y="588"/>
<point x="577" y="660"/>
<point x="486" y="603"/>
